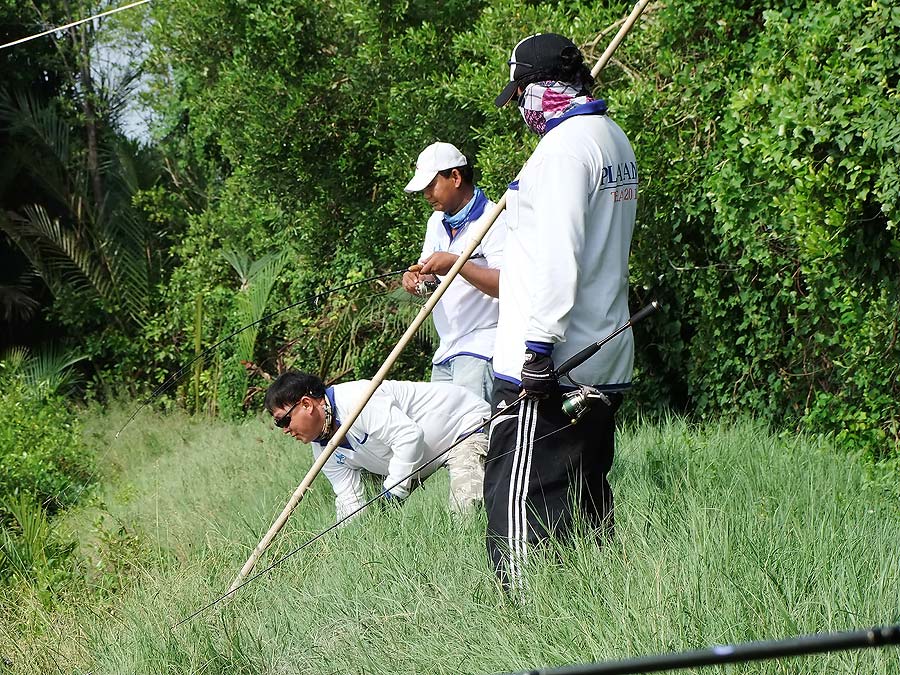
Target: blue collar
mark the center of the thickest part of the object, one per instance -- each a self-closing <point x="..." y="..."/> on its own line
<point x="470" y="212"/>
<point x="597" y="107"/>
<point x="329" y="393"/>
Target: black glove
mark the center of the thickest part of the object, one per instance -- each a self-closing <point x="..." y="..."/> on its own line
<point x="539" y="378"/>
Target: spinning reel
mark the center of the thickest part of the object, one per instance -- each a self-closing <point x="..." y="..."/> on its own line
<point x="576" y="403"/>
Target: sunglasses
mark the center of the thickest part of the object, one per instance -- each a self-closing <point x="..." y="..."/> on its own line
<point x="285" y="419"/>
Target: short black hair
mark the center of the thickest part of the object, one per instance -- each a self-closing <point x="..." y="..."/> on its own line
<point x="290" y="387"/>
<point x="466" y="172"/>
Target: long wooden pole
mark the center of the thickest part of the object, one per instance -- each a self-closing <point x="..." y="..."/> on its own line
<point x="620" y="35"/>
<point x="378" y="378"/>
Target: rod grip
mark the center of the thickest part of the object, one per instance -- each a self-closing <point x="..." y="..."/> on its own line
<point x="590" y="350"/>
<point x="577" y="360"/>
<point x="643" y="313"/>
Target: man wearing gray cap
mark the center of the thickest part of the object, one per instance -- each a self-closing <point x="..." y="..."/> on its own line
<point x="466" y="316"/>
<point x="570" y="217"/>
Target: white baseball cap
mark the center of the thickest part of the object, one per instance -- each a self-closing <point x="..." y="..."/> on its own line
<point x="436" y="157"/>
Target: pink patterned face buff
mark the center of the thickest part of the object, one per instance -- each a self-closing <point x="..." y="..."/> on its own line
<point x="544" y="101"/>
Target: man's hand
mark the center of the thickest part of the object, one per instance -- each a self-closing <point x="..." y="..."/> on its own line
<point x="411" y="279"/>
<point x="539" y="379"/>
<point x="439" y="263"/>
<point x="390" y="498"/>
<point x="393" y="498"/>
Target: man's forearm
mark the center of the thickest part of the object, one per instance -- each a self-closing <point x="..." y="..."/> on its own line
<point x="485" y="279"/>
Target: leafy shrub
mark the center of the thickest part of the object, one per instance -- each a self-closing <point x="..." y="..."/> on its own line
<point x="30" y="549"/>
<point x="796" y="310"/>
<point x="41" y="450"/>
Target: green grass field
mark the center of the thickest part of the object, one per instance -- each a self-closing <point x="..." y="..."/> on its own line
<point x="724" y="534"/>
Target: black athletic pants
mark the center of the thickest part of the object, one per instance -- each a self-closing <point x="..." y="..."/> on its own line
<point x="531" y="483"/>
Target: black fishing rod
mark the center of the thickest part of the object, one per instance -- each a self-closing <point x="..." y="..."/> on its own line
<point x="563" y="370"/>
<point x="803" y="645"/>
<point x="178" y="374"/>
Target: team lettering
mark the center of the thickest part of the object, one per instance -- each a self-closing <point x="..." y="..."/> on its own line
<point x="625" y="171"/>
<point x="624" y="195"/>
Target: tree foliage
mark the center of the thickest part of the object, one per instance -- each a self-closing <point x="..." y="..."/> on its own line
<point x="766" y="141"/>
<point x="766" y="136"/>
<point x="42" y="454"/>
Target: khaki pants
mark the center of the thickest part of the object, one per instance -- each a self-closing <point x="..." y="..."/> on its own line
<point x="466" y="466"/>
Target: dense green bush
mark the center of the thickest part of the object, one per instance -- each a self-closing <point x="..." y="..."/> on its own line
<point x="766" y="135"/>
<point x="31" y="550"/>
<point x="773" y="224"/>
<point x="42" y="454"/>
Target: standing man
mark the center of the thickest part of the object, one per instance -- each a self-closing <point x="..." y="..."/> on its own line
<point x="466" y="316"/>
<point x="565" y="285"/>
<point x="402" y="427"/>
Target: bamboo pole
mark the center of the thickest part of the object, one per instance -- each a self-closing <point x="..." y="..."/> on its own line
<point x="379" y="377"/>
<point x="620" y="35"/>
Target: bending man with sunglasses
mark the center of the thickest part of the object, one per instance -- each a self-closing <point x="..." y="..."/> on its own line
<point x="402" y="427"/>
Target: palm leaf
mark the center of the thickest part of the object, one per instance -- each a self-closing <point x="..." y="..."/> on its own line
<point x="240" y="261"/>
<point x="340" y="344"/>
<point x="13" y="360"/>
<point x="26" y="553"/>
<point x="100" y="250"/>
<point x="123" y="249"/>
<point x="39" y="123"/>
<point x="16" y="301"/>
<point x="66" y="255"/>
<point x="254" y="297"/>
<point x="49" y="371"/>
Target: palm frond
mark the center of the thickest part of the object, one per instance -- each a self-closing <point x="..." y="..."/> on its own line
<point x="26" y="553"/>
<point x="49" y="370"/>
<point x="240" y="262"/>
<point x="39" y="123"/>
<point x="253" y="299"/>
<point x="66" y="255"/>
<point x="16" y="301"/>
<point x="13" y="360"/>
<point x="45" y="171"/>
<point x="76" y="245"/>
<point x="340" y="345"/>
<point x="123" y="240"/>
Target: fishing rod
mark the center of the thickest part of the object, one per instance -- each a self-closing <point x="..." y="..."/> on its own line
<point x="178" y="374"/>
<point x="817" y="643"/>
<point x="563" y="370"/>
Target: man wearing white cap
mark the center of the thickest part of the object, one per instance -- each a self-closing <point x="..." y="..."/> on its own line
<point x="466" y="316"/>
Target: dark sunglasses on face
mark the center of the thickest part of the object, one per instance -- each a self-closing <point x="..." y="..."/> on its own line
<point x="285" y="419"/>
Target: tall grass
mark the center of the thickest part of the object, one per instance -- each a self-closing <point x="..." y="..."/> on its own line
<point x="724" y="533"/>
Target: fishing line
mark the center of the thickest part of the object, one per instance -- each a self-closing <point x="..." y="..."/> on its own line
<point x="175" y="377"/>
<point x="74" y="23"/>
<point x="476" y="237"/>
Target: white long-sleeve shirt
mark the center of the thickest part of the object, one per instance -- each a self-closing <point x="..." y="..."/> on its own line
<point x="564" y="277"/>
<point x="403" y="426"/>
<point x="465" y="318"/>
